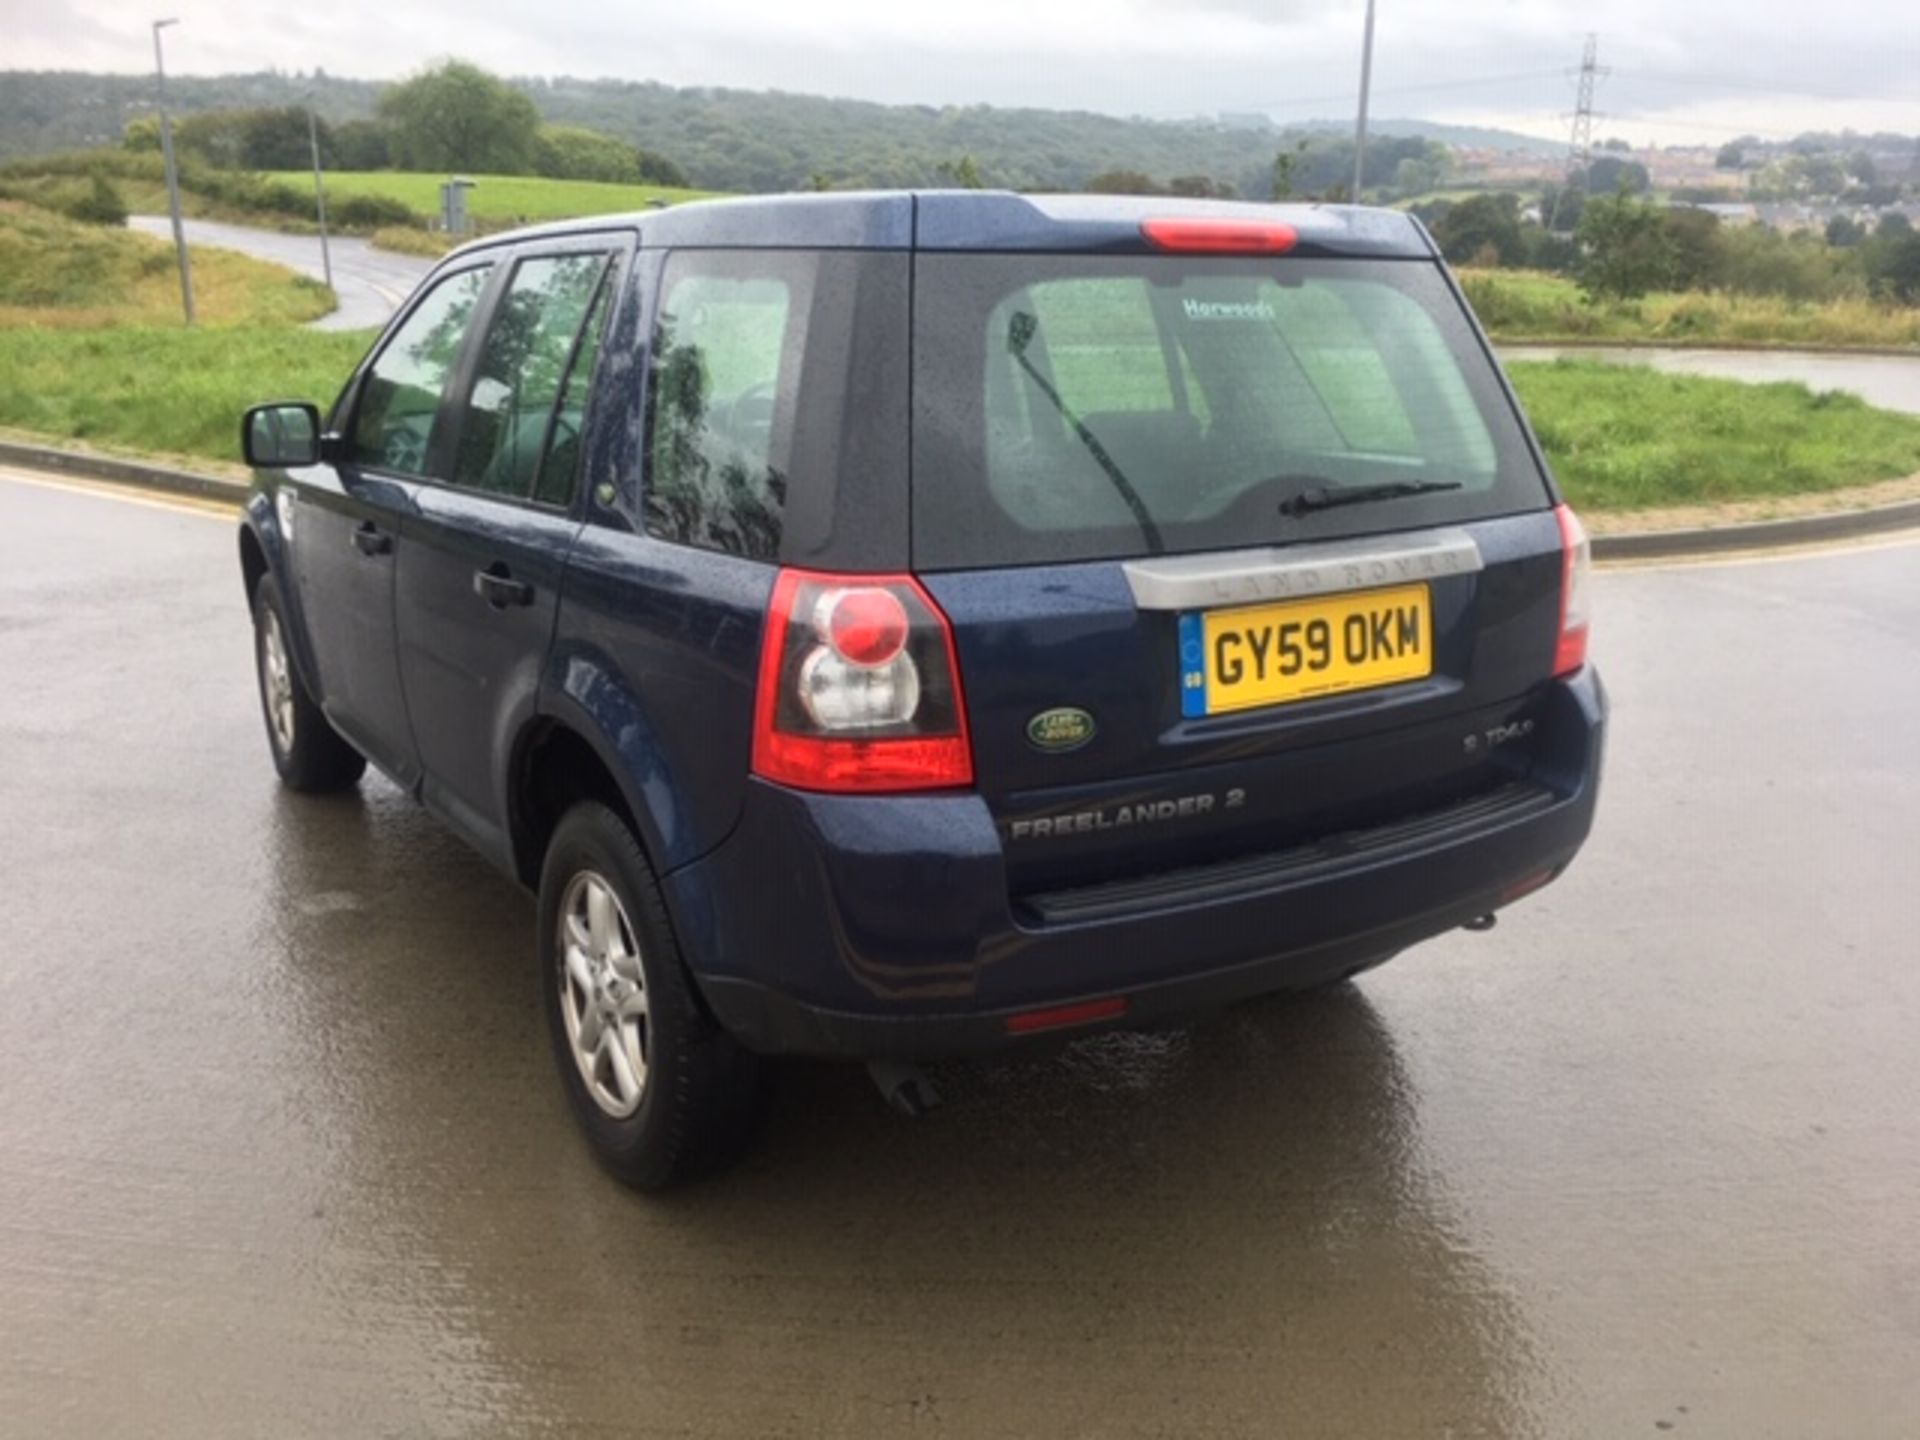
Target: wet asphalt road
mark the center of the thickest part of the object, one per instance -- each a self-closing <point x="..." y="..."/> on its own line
<point x="281" y="1152"/>
<point x="369" y="284"/>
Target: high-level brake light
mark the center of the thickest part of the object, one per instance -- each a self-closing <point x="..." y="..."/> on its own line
<point x="1212" y="235"/>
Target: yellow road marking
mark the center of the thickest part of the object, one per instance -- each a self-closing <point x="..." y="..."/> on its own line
<point x="125" y="494"/>
<point x="1772" y="555"/>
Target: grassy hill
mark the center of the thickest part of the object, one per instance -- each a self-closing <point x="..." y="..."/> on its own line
<point x="56" y="273"/>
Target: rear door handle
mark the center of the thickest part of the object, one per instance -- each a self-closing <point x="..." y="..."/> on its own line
<point x="369" y="540"/>
<point x="498" y="588"/>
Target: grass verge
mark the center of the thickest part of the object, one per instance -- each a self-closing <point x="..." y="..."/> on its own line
<point x="152" y="390"/>
<point x="1523" y="305"/>
<point x="56" y="272"/>
<point x="1624" y="437"/>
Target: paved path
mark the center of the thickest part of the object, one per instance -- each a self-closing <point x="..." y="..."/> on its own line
<point x="282" y="1152"/>
<point x="370" y="283"/>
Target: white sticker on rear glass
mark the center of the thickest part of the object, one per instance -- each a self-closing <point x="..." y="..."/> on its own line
<point x="1227" y="310"/>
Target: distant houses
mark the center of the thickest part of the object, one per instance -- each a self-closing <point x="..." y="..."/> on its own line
<point x="1791" y="215"/>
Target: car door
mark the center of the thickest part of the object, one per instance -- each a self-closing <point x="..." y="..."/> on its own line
<point x="480" y="568"/>
<point x="349" y="514"/>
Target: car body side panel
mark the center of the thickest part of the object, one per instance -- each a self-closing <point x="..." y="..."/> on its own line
<point x="658" y="652"/>
<point x="471" y="668"/>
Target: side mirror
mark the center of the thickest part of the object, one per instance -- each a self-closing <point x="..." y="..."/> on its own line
<point x="281" y="437"/>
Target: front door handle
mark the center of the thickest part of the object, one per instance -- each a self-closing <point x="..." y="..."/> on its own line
<point x="498" y="588"/>
<point x="370" y="540"/>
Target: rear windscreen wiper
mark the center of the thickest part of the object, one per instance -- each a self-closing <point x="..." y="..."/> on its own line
<point x="1331" y="497"/>
<point x="1020" y="332"/>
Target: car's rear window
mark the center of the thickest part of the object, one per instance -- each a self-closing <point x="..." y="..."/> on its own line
<point x="1080" y="407"/>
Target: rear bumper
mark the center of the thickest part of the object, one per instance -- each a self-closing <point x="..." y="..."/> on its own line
<point x="883" y="927"/>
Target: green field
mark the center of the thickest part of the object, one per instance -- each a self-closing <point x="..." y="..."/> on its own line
<point x="1518" y="305"/>
<point x="497" y="199"/>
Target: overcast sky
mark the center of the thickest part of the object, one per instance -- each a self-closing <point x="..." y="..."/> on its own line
<point x="1683" y="70"/>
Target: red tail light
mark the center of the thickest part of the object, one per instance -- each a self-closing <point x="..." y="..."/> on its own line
<point x="859" y="688"/>
<point x="1576" y="583"/>
<point x="1216" y="236"/>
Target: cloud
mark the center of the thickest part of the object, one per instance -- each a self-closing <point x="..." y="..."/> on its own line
<point x="1679" y="71"/>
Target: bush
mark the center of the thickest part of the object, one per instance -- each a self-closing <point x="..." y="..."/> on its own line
<point x="657" y="169"/>
<point x="370" y="212"/>
<point x="1482" y="226"/>
<point x="568" y="152"/>
<point x="99" y="205"/>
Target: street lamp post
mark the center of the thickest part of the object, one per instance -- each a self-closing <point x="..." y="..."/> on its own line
<point x="173" y="174"/>
<point x="319" y="192"/>
<point x="1360" y="126"/>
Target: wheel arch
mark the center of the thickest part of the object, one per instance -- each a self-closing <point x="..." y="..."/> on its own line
<point x="553" y="767"/>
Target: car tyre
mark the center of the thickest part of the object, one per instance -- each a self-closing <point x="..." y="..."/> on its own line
<point x="307" y="751"/>
<point x="621" y="1006"/>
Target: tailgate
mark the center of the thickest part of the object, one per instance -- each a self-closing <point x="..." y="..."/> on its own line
<point x="1102" y="759"/>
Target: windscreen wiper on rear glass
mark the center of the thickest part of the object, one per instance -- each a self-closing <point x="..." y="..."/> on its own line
<point x="1332" y="497"/>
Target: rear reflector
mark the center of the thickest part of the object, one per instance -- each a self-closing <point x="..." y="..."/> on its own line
<point x="1031" y="1022"/>
<point x="1576" y="583"/>
<point x="1526" y="887"/>
<point x="1220" y="237"/>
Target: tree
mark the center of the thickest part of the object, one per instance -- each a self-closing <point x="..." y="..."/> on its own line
<point x="458" y="117"/>
<point x="1695" y="238"/>
<point x="1844" y="232"/>
<point x="277" y="139"/>
<point x="1200" y="187"/>
<point x="361" y="145"/>
<point x="569" y="152"/>
<point x="1561" y="207"/>
<point x="962" y="174"/>
<point x="1122" y="182"/>
<point x="657" y="169"/>
<point x="1482" y="227"/>
<point x="1731" y="157"/>
<point x="1284" y="164"/>
<point x="1610" y="173"/>
<point x="1626" y="248"/>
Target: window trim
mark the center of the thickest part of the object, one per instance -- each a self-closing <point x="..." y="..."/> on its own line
<point x="606" y="287"/>
<point x="468" y="371"/>
<point x="616" y="247"/>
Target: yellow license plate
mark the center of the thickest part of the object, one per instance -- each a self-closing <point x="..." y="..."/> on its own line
<point x="1272" y="654"/>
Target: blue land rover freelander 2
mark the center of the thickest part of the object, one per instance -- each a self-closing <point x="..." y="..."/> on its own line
<point x="895" y="626"/>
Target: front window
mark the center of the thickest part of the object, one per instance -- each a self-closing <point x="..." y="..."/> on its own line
<point x="400" y="396"/>
<point x="1079" y="407"/>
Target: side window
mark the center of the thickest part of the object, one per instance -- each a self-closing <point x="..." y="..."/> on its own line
<point x="400" y="397"/>
<point x="562" y="461"/>
<point x="724" y="368"/>
<point x="520" y="371"/>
